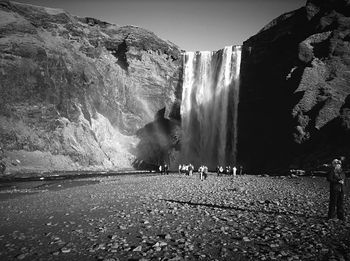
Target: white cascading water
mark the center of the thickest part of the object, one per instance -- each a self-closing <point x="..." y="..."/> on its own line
<point x="209" y="107"/>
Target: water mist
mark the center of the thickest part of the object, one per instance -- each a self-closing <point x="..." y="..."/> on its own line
<point x="209" y="107"/>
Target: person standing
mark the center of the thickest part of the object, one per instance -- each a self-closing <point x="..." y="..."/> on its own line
<point x="337" y="180"/>
<point x="240" y="170"/>
<point x="190" y="169"/>
<point x="343" y="162"/>
<point x="205" y="172"/>
<point x="221" y="171"/>
<point x="166" y="169"/>
<point x="234" y="169"/>
<point x="200" y="170"/>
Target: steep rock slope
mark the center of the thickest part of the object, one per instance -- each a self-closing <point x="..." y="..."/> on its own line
<point x="295" y="86"/>
<point x="75" y="91"/>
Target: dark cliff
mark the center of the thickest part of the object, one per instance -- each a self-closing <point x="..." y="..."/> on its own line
<point x="76" y="91"/>
<point x="295" y="85"/>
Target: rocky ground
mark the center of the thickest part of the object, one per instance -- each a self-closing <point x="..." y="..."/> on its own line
<point x="174" y="217"/>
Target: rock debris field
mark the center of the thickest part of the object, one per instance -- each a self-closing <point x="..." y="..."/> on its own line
<point x="172" y="217"/>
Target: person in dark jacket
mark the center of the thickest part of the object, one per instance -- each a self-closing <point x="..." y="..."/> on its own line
<point x="337" y="179"/>
<point x="166" y="169"/>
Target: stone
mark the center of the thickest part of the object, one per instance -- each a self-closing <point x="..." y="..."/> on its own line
<point x="137" y="249"/>
<point x="65" y="250"/>
<point x="246" y="239"/>
<point x="22" y="256"/>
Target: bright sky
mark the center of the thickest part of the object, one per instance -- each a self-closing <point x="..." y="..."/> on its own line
<point x="190" y="24"/>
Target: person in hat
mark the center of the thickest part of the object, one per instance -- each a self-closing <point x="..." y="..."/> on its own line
<point x="337" y="179"/>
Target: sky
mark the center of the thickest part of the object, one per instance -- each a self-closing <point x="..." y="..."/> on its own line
<point x="203" y="25"/>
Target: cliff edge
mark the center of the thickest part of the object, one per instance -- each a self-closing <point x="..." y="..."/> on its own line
<point x="75" y="91"/>
<point x="295" y="89"/>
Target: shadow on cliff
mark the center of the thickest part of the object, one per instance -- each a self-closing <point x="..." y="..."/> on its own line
<point x="157" y="140"/>
<point x="273" y="64"/>
<point x="266" y="100"/>
<point x="333" y="141"/>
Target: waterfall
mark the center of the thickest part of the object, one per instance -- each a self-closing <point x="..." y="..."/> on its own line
<point x="209" y="107"/>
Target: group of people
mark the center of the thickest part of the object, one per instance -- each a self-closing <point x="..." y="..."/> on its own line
<point x="203" y="172"/>
<point x="186" y="169"/>
<point x="164" y="169"/>
<point x="336" y="177"/>
<point x="220" y="170"/>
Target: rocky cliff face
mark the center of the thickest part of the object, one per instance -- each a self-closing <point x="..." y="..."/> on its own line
<point x="295" y="84"/>
<point x="75" y="91"/>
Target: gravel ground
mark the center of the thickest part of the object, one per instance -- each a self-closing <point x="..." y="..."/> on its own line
<point x="173" y="217"/>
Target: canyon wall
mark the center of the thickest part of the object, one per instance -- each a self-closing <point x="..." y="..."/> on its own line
<point x="75" y="92"/>
<point x="83" y="94"/>
<point x="294" y="109"/>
